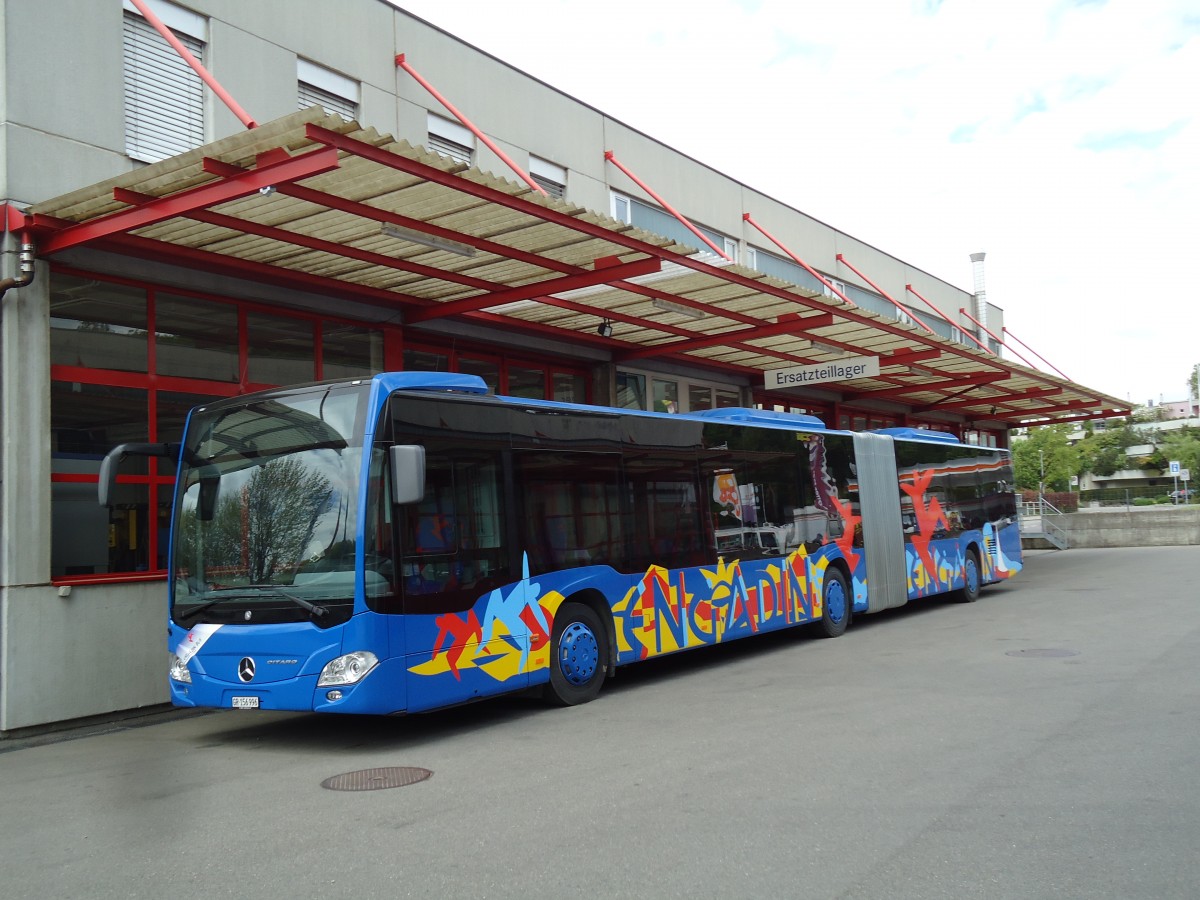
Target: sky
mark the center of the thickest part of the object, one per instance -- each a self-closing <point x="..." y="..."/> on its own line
<point x="1061" y="137"/>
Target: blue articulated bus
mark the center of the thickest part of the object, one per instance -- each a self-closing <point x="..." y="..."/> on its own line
<point x="408" y="542"/>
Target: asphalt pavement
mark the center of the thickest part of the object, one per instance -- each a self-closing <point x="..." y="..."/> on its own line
<point x="1039" y="743"/>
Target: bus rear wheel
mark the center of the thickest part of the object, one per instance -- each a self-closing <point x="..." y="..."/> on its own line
<point x="836" y="601"/>
<point x="972" y="579"/>
<point x="578" y="655"/>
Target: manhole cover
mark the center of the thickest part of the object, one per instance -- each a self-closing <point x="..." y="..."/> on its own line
<point x="1043" y="652"/>
<point x="376" y="779"/>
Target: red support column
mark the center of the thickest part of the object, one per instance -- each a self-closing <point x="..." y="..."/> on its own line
<point x="402" y="63"/>
<point x="807" y="268"/>
<point x="612" y="158"/>
<point x="205" y="76"/>
<point x="896" y="303"/>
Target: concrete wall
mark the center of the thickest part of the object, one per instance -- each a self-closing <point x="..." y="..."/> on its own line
<point x="1134" y="527"/>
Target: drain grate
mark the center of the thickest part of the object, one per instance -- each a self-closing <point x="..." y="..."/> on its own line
<point x="377" y="779"/>
<point x="1045" y="652"/>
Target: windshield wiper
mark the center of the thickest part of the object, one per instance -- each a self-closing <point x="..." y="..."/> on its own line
<point x="238" y="593"/>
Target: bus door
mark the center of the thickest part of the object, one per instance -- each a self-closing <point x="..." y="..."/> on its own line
<point x="463" y="633"/>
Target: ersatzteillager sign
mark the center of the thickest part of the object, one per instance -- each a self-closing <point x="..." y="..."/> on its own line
<point x="838" y="370"/>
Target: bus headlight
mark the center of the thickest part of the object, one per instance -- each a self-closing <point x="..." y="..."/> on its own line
<point x="349" y="669"/>
<point x="177" y="670"/>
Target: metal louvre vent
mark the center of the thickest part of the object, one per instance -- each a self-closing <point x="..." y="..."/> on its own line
<point x="553" y="188"/>
<point x="446" y="147"/>
<point x="164" y="98"/>
<point x="311" y="95"/>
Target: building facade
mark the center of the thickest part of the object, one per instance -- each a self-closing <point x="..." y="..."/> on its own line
<point x="111" y="336"/>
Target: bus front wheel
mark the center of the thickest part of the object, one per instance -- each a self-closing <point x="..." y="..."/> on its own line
<point x="836" y="601"/>
<point x="578" y="655"/>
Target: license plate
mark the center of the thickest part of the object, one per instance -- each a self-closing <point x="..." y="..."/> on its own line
<point x="245" y="703"/>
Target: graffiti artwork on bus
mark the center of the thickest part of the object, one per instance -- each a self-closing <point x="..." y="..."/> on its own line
<point x="665" y="610"/>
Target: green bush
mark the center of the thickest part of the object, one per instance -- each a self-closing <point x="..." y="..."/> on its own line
<point x="1144" y="501"/>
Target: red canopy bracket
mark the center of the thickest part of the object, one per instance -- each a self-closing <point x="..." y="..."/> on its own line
<point x="601" y="275"/>
<point x="231" y="188"/>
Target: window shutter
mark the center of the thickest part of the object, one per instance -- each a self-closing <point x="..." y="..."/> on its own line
<point x="164" y="98"/>
<point x="311" y="95"/>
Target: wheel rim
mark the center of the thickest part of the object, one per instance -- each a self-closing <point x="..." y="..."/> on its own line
<point x="578" y="654"/>
<point x="972" y="574"/>
<point x="835" y="600"/>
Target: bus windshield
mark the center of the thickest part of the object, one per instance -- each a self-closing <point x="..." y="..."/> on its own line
<point x="265" y="527"/>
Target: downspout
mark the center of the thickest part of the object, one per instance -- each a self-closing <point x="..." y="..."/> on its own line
<point x="24" y="266"/>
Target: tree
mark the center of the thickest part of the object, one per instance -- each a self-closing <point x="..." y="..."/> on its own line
<point x="264" y="528"/>
<point x="1045" y="447"/>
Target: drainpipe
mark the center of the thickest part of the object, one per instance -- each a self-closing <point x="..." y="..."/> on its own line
<point x="24" y="266"/>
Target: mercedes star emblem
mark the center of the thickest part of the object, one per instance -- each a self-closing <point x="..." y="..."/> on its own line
<point x="246" y="669"/>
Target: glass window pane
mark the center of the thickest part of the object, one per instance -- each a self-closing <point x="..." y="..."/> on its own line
<point x="97" y="324"/>
<point x="728" y="398"/>
<point x="666" y="396"/>
<point x="528" y="383"/>
<point x="486" y="369"/>
<point x="88" y="420"/>
<point x="348" y="351"/>
<point x="425" y="361"/>
<point x="281" y="349"/>
<point x="570" y="388"/>
<point x="87" y="539"/>
<point x="699" y="398"/>
<point x="195" y="338"/>
<point x="631" y="391"/>
<point x="173" y="409"/>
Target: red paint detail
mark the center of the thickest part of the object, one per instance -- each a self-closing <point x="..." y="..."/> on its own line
<point x="928" y="513"/>
<point x="459" y="631"/>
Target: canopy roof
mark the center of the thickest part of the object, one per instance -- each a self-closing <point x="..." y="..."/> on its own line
<point x="313" y="202"/>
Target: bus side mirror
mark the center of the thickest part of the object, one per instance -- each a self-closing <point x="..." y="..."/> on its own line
<point x="112" y="462"/>
<point x="408" y="473"/>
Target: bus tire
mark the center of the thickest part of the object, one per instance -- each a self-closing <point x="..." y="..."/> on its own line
<point x="578" y="655"/>
<point x="836" y="604"/>
<point x="972" y="578"/>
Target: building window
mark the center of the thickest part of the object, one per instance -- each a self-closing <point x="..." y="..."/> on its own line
<point x="551" y="177"/>
<point x="164" y="97"/>
<point x="672" y="396"/>
<point x="451" y="139"/>
<point x="333" y="92"/>
<point x="622" y="210"/>
<point x="128" y="361"/>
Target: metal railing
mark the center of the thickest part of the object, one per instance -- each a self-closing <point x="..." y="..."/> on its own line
<point x="1049" y="520"/>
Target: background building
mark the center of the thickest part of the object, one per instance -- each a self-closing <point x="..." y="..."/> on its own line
<point x="376" y="230"/>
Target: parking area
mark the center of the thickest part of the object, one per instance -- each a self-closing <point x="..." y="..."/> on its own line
<point x="1040" y="742"/>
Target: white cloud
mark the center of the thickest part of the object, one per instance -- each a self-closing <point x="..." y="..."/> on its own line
<point x="1061" y="137"/>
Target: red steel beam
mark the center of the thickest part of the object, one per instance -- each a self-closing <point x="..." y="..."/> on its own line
<point x="1035" y="353"/>
<point x="963" y="311"/>
<point x="1003" y="399"/>
<point x="789" y="327"/>
<point x="611" y="157"/>
<point x="437" y="176"/>
<point x="746" y="217"/>
<point x="588" y="278"/>
<point x="169" y="36"/>
<point x="841" y="257"/>
<point x="403" y="63"/>
<point x="232" y="188"/>
<point x="913" y="290"/>
<point x="331" y="201"/>
<point x="938" y="387"/>
<point x="311" y="243"/>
